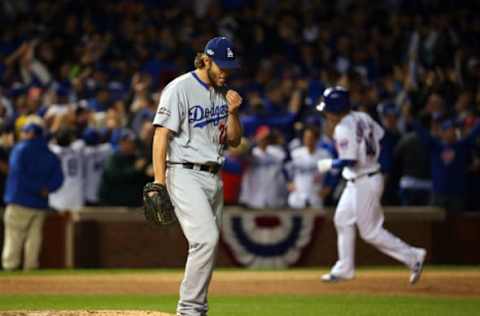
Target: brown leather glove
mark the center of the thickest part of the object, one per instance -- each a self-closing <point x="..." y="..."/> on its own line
<point x="157" y="206"/>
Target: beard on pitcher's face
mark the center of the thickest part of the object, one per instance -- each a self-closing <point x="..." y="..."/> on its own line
<point x="217" y="76"/>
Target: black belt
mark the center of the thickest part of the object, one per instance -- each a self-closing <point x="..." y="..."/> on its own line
<point x="212" y="168"/>
<point x="370" y="174"/>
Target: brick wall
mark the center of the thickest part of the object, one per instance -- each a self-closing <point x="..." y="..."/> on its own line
<point x="121" y="239"/>
<point x="135" y="244"/>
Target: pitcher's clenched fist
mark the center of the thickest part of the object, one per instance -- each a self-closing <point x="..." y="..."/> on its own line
<point x="234" y="101"/>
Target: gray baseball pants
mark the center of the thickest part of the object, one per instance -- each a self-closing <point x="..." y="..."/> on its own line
<point x="198" y="200"/>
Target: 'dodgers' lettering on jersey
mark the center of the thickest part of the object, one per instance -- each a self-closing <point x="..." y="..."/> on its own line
<point x="201" y="116"/>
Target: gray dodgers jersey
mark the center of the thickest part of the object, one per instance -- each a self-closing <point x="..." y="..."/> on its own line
<point x="197" y="115"/>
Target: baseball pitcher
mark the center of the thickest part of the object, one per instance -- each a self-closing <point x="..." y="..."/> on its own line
<point x="357" y="137"/>
<point x="196" y="117"/>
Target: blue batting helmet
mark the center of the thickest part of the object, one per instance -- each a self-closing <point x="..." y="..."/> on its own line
<point x="335" y="99"/>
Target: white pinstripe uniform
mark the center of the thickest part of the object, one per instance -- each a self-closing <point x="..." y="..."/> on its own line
<point x="94" y="158"/>
<point x="70" y="196"/>
<point x="263" y="183"/>
<point x="357" y="137"/>
<point x="306" y="178"/>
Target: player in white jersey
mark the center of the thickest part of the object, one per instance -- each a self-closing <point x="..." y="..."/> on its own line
<point x="196" y="117"/>
<point x="94" y="156"/>
<point x="70" y="195"/>
<point x="357" y="138"/>
<point x="264" y="184"/>
<point x="307" y="187"/>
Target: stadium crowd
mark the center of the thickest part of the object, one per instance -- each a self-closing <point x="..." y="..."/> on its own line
<point x="91" y="73"/>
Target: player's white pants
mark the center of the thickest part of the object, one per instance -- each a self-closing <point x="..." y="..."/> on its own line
<point x="198" y="200"/>
<point x="23" y="231"/>
<point x="299" y="200"/>
<point x="360" y="205"/>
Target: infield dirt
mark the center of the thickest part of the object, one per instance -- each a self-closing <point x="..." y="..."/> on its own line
<point x="433" y="283"/>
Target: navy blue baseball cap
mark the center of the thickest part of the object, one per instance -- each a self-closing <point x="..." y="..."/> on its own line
<point x="221" y="50"/>
<point x="388" y="108"/>
<point x="91" y="136"/>
<point x="33" y="127"/>
<point x="127" y="134"/>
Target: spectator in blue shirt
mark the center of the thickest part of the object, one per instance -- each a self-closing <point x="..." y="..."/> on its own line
<point x="34" y="172"/>
<point x="449" y="157"/>
<point x="411" y="170"/>
<point x="388" y="114"/>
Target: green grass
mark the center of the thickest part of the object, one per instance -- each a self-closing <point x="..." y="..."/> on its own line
<point x="260" y="305"/>
<point x="354" y="305"/>
<point x="154" y="270"/>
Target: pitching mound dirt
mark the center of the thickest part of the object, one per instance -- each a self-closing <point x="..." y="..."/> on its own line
<point x="83" y="313"/>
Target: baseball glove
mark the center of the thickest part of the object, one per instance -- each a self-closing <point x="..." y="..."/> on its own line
<point x="157" y="206"/>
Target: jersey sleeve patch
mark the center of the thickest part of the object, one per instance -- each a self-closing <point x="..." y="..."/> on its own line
<point x="345" y="143"/>
<point x="168" y="113"/>
<point x="163" y="110"/>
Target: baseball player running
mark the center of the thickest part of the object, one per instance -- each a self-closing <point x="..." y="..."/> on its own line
<point x="357" y="137"/>
<point x="196" y="117"/>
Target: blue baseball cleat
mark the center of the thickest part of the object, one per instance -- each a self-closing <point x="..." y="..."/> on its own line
<point x="332" y="278"/>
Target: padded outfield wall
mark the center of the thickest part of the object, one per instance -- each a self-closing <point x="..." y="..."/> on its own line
<point x="120" y="238"/>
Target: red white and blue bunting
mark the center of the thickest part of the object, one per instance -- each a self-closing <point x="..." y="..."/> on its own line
<point x="269" y="239"/>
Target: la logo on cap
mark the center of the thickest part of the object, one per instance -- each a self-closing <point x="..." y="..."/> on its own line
<point x="230" y="53"/>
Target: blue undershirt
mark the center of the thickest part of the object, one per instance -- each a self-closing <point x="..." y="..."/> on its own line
<point x="340" y="163"/>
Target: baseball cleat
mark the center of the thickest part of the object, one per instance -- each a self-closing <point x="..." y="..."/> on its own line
<point x="418" y="267"/>
<point x="332" y="278"/>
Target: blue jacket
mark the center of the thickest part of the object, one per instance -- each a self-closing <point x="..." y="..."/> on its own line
<point x="449" y="161"/>
<point x="32" y="168"/>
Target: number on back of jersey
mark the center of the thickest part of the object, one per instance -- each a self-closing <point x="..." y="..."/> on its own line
<point x="370" y="144"/>
<point x="72" y="167"/>
<point x="364" y="133"/>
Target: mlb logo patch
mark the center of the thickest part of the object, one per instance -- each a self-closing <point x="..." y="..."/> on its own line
<point x="163" y="110"/>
